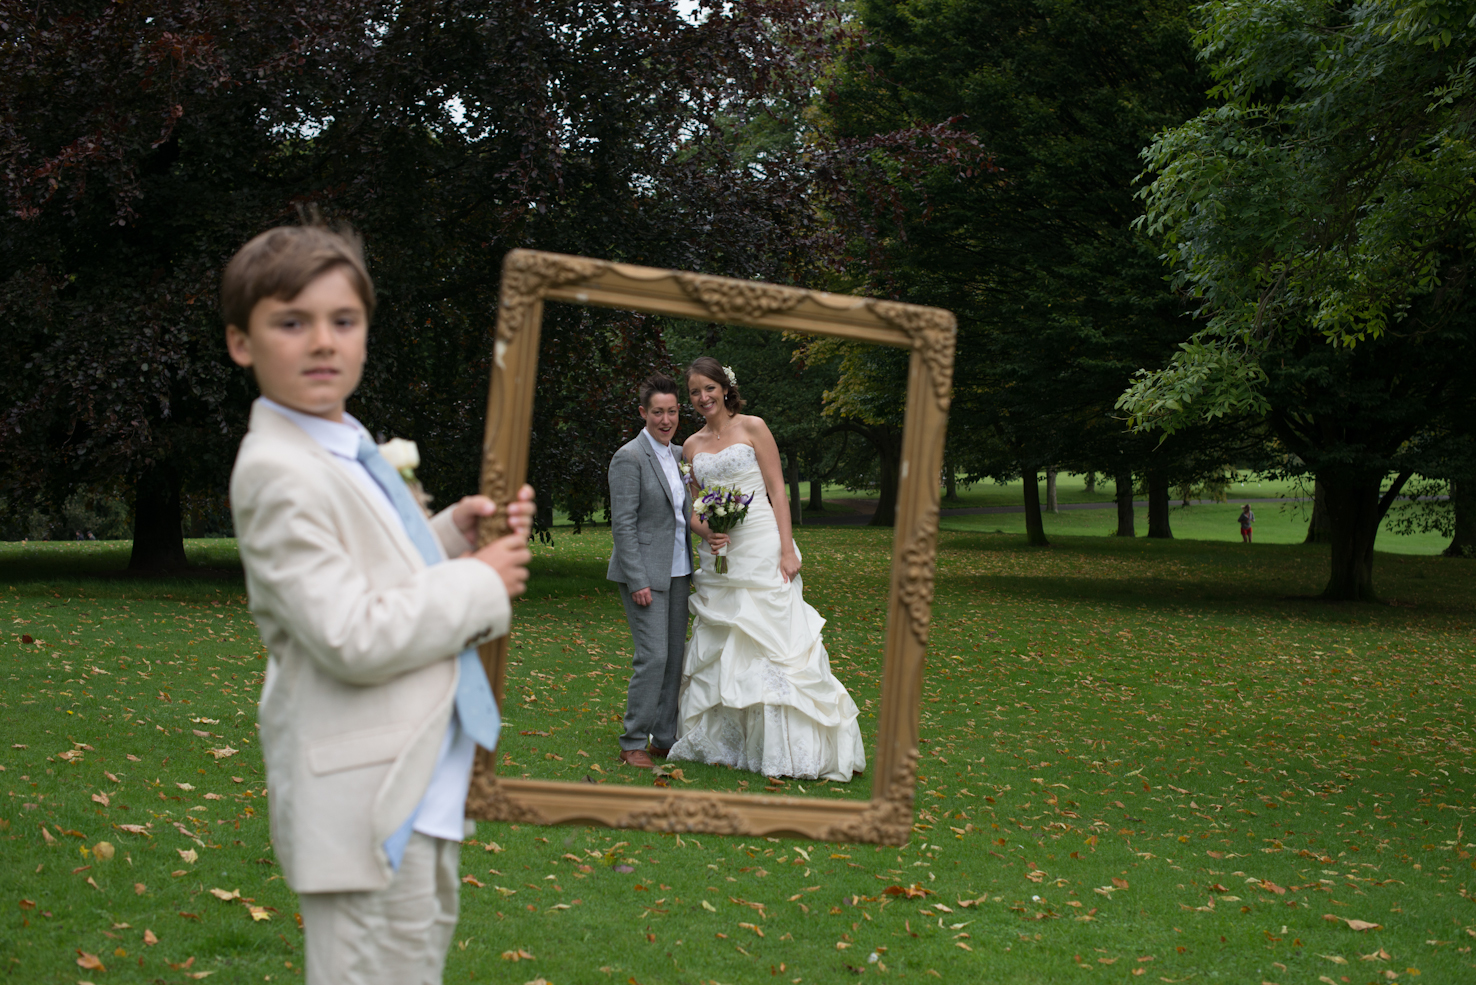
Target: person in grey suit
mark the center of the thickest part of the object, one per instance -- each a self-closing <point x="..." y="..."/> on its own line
<point x="652" y="561"/>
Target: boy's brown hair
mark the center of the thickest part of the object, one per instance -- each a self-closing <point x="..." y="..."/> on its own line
<point x="280" y="262"/>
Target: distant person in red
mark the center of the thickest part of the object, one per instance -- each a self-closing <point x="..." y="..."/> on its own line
<point x="1247" y="518"/>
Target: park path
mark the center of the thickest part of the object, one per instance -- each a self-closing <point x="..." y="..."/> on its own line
<point x="865" y="508"/>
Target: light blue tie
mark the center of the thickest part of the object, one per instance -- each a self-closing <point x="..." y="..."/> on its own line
<point x="474" y="702"/>
<point x="476" y="708"/>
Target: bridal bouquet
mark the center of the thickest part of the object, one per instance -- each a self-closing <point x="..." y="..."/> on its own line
<point x="722" y="509"/>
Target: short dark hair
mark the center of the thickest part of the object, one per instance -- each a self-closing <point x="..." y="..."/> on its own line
<point x="712" y="369"/>
<point x="280" y="262"/>
<point x="658" y="383"/>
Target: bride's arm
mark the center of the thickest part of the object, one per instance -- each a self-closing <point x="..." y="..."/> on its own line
<point x="767" y="453"/>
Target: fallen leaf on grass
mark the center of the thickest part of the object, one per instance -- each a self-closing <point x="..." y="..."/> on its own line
<point x="186" y="787"/>
<point x="1352" y="924"/>
<point x="89" y="962"/>
<point x="223" y="753"/>
<point x="183" y="965"/>
<point x="149" y="938"/>
<point x="518" y="955"/>
<point x="221" y="894"/>
<point x="100" y="798"/>
<point x="712" y="909"/>
<point x="139" y="889"/>
<point x="189" y="855"/>
<point x="258" y="912"/>
<point x="1119" y="883"/>
<point x="47" y="835"/>
<point x="103" y="850"/>
<point x="1379" y="955"/>
<point x="472" y="880"/>
<point x="1335" y="959"/>
<point x="134" y="829"/>
<point x="910" y="892"/>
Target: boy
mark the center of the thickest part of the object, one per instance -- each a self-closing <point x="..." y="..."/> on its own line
<point x="373" y="703"/>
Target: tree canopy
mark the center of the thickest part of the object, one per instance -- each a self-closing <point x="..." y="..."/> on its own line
<point x="1321" y="215"/>
<point x="1059" y="299"/>
<point x="144" y="142"/>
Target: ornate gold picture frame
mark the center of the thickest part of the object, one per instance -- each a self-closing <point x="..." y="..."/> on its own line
<point x="528" y="279"/>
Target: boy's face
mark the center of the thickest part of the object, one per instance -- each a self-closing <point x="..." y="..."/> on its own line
<point x="307" y="352"/>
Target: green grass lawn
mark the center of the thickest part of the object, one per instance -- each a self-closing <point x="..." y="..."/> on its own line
<point x="1152" y="761"/>
<point x="1276" y="523"/>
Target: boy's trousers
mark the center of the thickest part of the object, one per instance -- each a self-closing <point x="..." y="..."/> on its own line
<point x="398" y="935"/>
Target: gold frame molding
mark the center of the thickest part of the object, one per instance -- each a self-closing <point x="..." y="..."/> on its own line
<point x="531" y="277"/>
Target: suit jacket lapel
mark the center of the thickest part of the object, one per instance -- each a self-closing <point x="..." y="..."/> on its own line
<point x="655" y="464"/>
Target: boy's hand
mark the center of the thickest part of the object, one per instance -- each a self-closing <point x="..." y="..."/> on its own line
<point x="466" y="513"/>
<point x="509" y="557"/>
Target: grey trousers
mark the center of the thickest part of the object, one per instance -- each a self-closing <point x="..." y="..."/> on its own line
<point x="660" y="634"/>
<point x="398" y="935"/>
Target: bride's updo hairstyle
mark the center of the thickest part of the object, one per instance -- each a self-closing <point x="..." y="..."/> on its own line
<point x="712" y="369"/>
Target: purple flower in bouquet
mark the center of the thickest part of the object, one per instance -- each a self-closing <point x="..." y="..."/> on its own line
<point x="722" y="508"/>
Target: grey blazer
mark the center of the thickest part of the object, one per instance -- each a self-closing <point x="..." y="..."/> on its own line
<point x="642" y="519"/>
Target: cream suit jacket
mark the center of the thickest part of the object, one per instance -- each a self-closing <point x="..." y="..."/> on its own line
<point x="362" y="638"/>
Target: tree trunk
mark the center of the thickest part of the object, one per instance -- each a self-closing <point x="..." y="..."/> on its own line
<point x="1091" y="483"/>
<point x="543" y="519"/>
<point x="1463" y="502"/>
<point x="1052" y="504"/>
<point x="796" y="504"/>
<point x="817" y="496"/>
<point x="1034" y="527"/>
<point x="158" y="530"/>
<point x="1158" y="506"/>
<point x="1125" y="505"/>
<point x="888" y="443"/>
<point x="950" y="482"/>
<point x="1355" y="511"/>
<point x="1319" y="528"/>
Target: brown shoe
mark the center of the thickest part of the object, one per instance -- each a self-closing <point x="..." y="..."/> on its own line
<point x="638" y="758"/>
<point x="659" y="753"/>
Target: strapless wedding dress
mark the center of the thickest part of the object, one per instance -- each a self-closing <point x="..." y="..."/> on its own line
<point x="757" y="692"/>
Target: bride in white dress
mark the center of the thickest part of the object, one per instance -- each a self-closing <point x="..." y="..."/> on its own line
<point x="757" y="692"/>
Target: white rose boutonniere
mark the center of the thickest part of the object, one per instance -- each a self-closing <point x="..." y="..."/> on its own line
<point x="403" y="456"/>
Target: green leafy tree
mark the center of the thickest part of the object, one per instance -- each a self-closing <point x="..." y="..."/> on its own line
<point x="1321" y="215"/>
<point x="1059" y="299"/>
<point x="144" y="142"/>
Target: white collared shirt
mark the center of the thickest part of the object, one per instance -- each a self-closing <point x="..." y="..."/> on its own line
<point x="441" y="813"/>
<point x="681" y="561"/>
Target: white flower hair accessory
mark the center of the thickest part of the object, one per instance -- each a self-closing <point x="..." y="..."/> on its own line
<point x="732" y="377"/>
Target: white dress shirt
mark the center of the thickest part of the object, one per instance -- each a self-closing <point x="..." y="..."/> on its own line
<point x="681" y="561"/>
<point x="442" y="811"/>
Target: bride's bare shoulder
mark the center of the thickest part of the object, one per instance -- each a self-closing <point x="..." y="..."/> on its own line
<point x="751" y="424"/>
